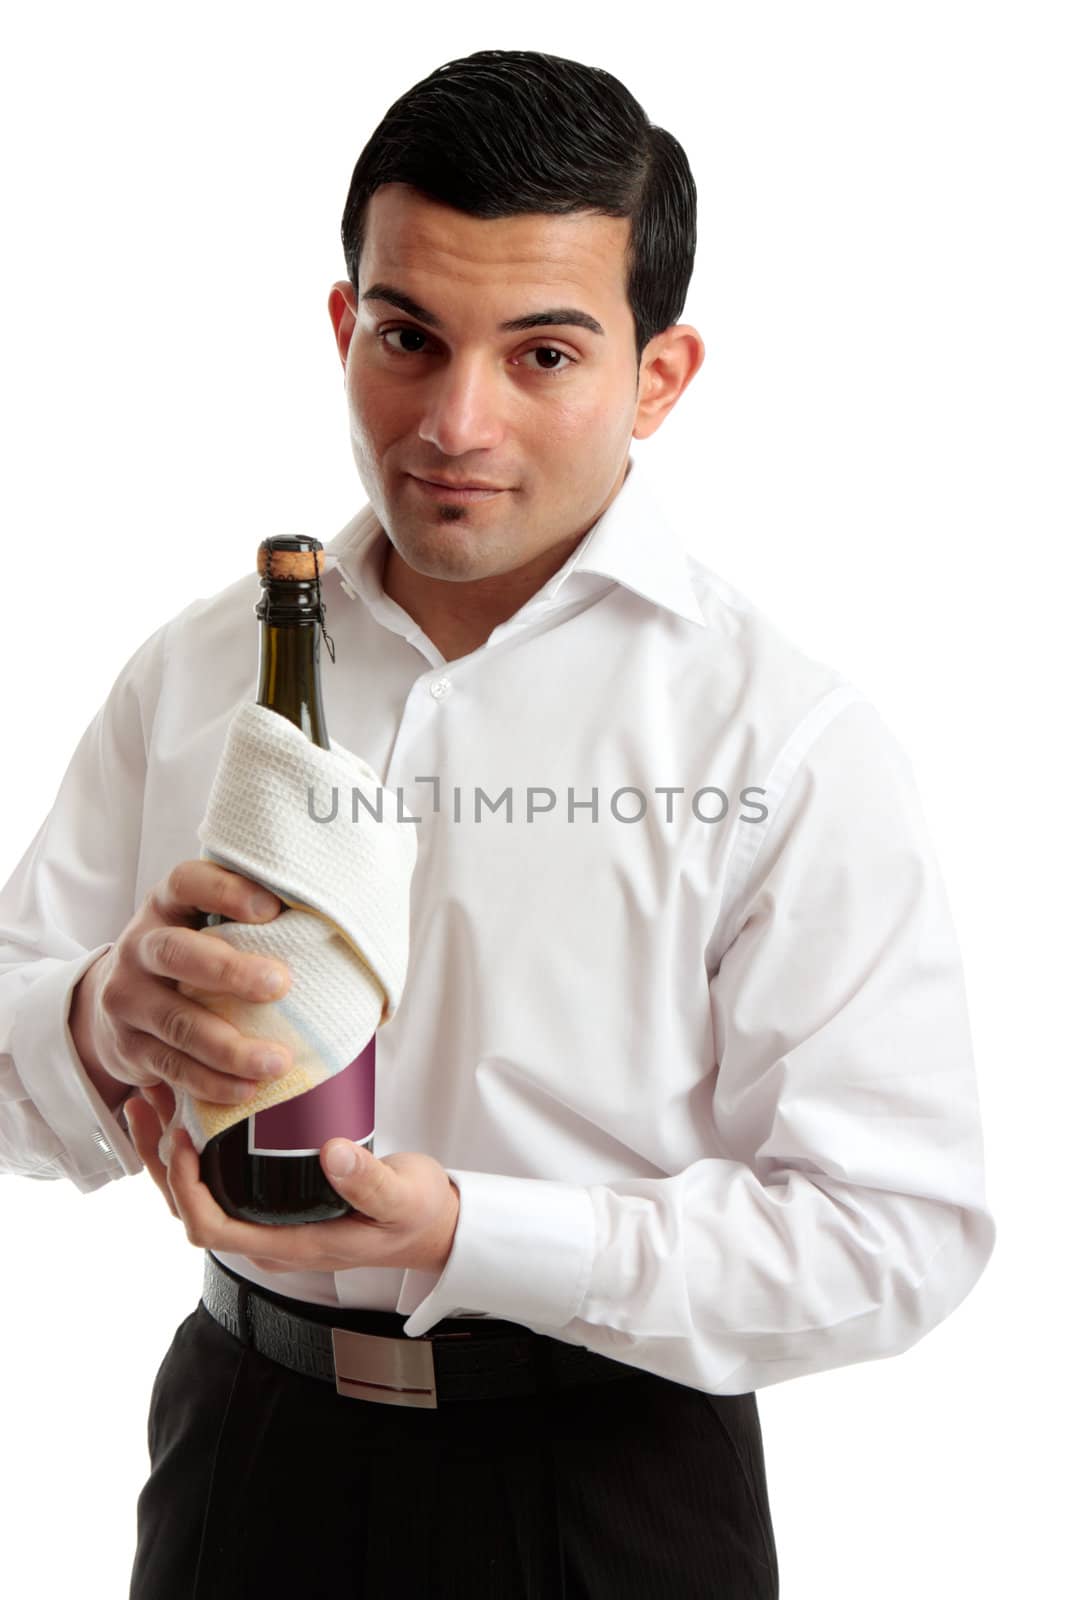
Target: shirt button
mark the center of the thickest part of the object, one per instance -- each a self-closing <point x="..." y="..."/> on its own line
<point x="440" y="687"/>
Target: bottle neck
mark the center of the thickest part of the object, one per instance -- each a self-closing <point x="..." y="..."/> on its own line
<point x="289" y="681"/>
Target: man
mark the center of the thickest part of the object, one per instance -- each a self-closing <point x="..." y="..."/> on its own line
<point x="679" y="1100"/>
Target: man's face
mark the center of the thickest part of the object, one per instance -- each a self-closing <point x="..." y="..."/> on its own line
<point x="545" y="414"/>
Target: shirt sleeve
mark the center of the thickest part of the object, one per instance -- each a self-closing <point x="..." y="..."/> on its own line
<point x="843" y="1214"/>
<point x="65" y="904"/>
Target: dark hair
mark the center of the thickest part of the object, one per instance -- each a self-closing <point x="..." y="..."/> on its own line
<point x="505" y="132"/>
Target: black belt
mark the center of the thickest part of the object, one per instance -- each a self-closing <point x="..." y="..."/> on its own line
<point x="367" y="1356"/>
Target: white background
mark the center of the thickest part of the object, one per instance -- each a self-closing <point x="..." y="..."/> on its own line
<point x="873" y="452"/>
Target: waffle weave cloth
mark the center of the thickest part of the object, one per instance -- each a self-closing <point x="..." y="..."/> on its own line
<point x="319" y="829"/>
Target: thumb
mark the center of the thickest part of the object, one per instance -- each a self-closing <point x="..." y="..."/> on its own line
<point x="360" y="1177"/>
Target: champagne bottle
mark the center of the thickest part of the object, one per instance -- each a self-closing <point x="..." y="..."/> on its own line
<point x="266" y="1167"/>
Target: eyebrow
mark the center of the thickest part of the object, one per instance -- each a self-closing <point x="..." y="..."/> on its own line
<point x="555" y="317"/>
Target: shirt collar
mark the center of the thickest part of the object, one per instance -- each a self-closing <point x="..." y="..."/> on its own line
<point x="632" y="543"/>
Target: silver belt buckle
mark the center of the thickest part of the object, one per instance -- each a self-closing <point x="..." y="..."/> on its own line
<point x="395" y="1372"/>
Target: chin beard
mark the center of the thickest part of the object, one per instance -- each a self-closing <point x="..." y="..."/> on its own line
<point x="451" y="513"/>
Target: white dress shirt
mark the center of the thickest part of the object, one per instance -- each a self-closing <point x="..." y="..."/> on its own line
<point x="703" y="1076"/>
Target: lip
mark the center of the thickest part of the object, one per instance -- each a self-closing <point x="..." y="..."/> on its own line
<point x="441" y="491"/>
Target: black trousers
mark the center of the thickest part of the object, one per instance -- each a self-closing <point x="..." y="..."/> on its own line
<point x="268" y="1485"/>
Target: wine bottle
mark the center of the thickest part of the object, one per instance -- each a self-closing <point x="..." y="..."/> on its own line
<point x="266" y="1167"/>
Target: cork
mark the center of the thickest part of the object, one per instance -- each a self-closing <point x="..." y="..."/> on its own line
<point x="295" y="565"/>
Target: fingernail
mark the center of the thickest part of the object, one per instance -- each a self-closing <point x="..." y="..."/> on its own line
<point x="341" y="1160"/>
<point x="263" y="904"/>
<point x="273" y="982"/>
<point x="271" y="1064"/>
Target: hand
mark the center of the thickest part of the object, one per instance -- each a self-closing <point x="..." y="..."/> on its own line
<point x="409" y="1205"/>
<point x="131" y="1024"/>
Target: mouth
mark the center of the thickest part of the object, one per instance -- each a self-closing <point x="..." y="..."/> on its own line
<point x="463" y="494"/>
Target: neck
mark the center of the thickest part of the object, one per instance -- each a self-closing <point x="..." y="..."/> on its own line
<point x="459" y="617"/>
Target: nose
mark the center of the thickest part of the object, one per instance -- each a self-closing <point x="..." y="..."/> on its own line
<point x="463" y="409"/>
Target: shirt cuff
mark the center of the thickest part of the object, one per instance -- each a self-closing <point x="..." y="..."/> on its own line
<point x="522" y="1251"/>
<point x="96" y="1147"/>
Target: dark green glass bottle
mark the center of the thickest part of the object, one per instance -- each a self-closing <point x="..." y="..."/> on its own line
<point x="266" y="1167"/>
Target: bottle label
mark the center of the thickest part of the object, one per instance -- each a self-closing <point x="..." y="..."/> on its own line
<point x="340" y="1108"/>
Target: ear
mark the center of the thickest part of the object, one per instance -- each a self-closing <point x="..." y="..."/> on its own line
<point x="669" y="363"/>
<point x="343" y="307"/>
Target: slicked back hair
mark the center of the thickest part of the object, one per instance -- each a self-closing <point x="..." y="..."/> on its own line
<point x="502" y="133"/>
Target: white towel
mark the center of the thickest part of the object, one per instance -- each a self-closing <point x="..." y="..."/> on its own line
<point x="345" y="884"/>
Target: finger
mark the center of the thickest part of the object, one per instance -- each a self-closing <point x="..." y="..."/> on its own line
<point x="150" y="1055"/>
<point x="207" y="1225"/>
<point x="203" y="960"/>
<point x="196" y="886"/>
<point x="180" y="1022"/>
<point x="162" y="1099"/>
<point x="145" y="1131"/>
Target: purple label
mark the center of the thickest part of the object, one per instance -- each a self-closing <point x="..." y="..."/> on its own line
<point x="340" y="1108"/>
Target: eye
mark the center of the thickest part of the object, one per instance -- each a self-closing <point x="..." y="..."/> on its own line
<point x="410" y="333"/>
<point x="550" y="350"/>
<point x="559" y="358"/>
